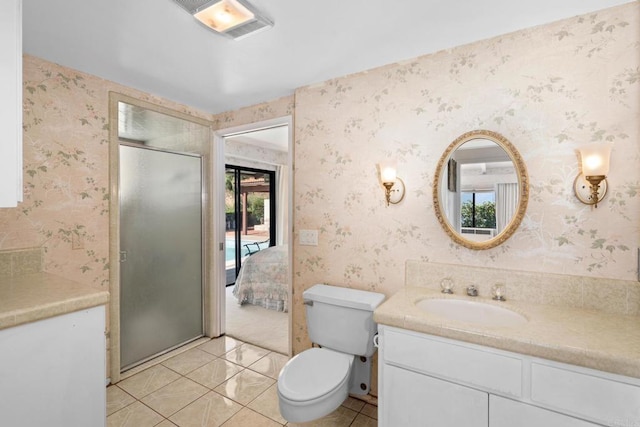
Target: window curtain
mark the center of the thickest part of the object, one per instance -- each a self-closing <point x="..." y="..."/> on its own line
<point x="506" y="204"/>
<point x="282" y="205"/>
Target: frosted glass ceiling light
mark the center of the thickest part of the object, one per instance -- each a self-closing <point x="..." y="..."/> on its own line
<point x="232" y="18"/>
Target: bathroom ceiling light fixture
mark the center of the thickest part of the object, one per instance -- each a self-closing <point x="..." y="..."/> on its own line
<point x="235" y="19"/>
<point x="591" y="185"/>
<point x="394" y="186"/>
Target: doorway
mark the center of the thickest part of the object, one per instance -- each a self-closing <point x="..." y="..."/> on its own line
<point x="255" y="309"/>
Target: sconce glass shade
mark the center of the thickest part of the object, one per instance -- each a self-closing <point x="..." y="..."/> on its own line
<point x="591" y="186"/>
<point x="595" y="159"/>
<point x="224" y="14"/>
<point x="394" y="186"/>
<point x="388" y="171"/>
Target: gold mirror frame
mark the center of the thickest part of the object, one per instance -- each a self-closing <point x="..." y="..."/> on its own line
<point x="523" y="183"/>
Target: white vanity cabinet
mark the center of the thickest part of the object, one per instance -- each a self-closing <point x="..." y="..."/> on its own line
<point x="52" y="371"/>
<point x="10" y="102"/>
<point x="432" y="381"/>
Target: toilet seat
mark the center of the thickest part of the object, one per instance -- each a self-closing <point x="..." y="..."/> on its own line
<point x="313" y="374"/>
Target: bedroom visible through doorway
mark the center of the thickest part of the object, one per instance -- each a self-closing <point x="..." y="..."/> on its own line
<point x="257" y="208"/>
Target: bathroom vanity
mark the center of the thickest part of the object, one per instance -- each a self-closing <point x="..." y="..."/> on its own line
<point x="52" y="352"/>
<point x="564" y="367"/>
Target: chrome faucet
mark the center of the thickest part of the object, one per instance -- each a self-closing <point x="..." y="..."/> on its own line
<point x="472" y="291"/>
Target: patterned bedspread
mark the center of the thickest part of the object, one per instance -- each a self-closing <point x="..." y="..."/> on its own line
<point x="263" y="279"/>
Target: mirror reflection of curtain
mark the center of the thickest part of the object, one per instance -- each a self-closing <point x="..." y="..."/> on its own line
<point x="506" y="204"/>
<point x="282" y="205"/>
<point x="451" y="199"/>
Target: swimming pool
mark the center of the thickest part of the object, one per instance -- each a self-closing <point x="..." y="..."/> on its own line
<point x="230" y="251"/>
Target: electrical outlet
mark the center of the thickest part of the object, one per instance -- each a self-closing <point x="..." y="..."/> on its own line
<point x="77" y="241"/>
<point x="308" y="237"/>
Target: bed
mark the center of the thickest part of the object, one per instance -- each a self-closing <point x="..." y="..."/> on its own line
<point x="263" y="279"/>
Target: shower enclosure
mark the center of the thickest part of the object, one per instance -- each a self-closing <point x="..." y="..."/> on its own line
<point x="161" y="239"/>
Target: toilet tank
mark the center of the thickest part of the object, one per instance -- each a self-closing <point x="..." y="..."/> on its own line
<point x="341" y="318"/>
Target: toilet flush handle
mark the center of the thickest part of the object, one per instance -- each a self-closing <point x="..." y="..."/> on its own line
<point x="376" y="340"/>
<point x="308" y="302"/>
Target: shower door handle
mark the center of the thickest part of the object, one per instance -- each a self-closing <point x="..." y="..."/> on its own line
<point x="123" y="256"/>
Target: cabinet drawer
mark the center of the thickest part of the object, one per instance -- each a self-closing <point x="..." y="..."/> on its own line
<point x="413" y="399"/>
<point x="454" y="361"/>
<point x="604" y="400"/>
<point x="506" y="413"/>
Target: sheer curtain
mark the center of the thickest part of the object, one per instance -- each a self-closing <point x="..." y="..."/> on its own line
<point x="506" y="204"/>
<point x="282" y="205"/>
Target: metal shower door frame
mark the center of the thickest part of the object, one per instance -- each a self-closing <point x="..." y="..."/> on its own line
<point x="203" y="251"/>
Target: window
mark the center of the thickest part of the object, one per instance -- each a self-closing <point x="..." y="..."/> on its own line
<point x="249" y="207"/>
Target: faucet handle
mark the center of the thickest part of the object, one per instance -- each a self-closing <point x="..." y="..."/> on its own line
<point x="498" y="291"/>
<point x="446" y="285"/>
<point x="472" y="291"/>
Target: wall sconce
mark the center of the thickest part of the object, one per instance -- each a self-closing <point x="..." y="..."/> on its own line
<point x="591" y="185"/>
<point x="394" y="186"/>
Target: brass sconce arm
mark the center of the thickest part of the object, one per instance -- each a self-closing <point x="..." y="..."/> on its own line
<point x="390" y="191"/>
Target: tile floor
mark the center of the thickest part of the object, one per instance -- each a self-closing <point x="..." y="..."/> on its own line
<point x="223" y="382"/>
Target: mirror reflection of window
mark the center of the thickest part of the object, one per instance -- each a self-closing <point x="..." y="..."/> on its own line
<point x="485" y="169"/>
<point x="478" y="214"/>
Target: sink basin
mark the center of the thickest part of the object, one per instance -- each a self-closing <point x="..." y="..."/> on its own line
<point x="474" y="312"/>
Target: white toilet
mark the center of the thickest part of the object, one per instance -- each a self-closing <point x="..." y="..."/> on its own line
<point x="316" y="382"/>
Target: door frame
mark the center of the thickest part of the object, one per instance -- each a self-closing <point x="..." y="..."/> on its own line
<point x="113" y="332"/>
<point x="218" y="167"/>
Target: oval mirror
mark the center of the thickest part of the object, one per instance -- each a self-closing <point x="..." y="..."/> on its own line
<point x="480" y="189"/>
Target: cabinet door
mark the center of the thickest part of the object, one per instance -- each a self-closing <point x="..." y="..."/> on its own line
<point x="508" y="413"/>
<point x="10" y="102"/>
<point x="52" y="372"/>
<point x="413" y="399"/>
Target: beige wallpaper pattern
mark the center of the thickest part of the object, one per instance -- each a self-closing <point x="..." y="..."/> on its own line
<point x="280" y="107"/>
<point x="66" y="170"/>
<point x="548" y="89"/>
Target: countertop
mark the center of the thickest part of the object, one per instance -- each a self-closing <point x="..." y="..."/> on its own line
<point x="32" y="297"/>
<point x="588" y="338"/>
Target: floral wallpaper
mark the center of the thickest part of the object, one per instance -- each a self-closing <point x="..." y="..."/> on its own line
<point x="548" y="89"/>
<point x="66" y="170"/>
<point x="280" y="107"/>
<point x="248" y="155"/>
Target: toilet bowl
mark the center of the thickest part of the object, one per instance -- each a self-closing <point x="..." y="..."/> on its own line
<point x="317" y="381"/>
<point x="313" y="384"/>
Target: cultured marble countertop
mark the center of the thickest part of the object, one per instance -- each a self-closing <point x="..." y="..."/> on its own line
<point x="587" y="338"/>
<point x="32" y="297"/>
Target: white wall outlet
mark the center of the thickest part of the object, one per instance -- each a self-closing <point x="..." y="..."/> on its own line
<point x="77" y="241"/>
<point x="308" y="237"/>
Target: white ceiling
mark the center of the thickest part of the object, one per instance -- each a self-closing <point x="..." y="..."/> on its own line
<point x="157" y="47"/>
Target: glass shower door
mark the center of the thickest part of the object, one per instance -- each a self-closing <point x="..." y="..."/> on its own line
<point x="161" y="303"/>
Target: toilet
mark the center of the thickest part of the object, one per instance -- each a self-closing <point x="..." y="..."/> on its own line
<point x="316" y="382"/>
